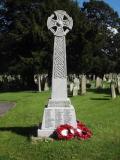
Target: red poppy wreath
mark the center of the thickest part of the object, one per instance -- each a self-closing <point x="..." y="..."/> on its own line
<point x="82" y="132"/>
<point x="65" y="132"/>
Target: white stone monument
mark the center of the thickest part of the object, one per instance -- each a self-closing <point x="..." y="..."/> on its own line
<point x="59" y="109"/>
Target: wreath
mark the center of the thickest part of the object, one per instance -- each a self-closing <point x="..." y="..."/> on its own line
<point x="65" y="132"/>
<point x="82" y="132"/>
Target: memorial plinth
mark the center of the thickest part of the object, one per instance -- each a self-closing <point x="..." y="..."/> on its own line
<point x="59" y="109"/>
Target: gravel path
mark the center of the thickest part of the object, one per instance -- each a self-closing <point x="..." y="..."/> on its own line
<point x="5" y="106"/>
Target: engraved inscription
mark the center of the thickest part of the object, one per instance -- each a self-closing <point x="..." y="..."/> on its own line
<point x="59" y="119"/>
<point x="67" y="116"/>
<point x="49" y="119"/>
<point x="59" y="104"/>
<point x="58" y="116"/>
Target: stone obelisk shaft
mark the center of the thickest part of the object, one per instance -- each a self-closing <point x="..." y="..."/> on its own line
<point x="59" y="76"/>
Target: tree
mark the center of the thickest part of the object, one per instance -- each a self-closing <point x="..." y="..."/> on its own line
<point x="27" y="45"/>
<point x="105" y="23"/>
<point x="28" y="39"/>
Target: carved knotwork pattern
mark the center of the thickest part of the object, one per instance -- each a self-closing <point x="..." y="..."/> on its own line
<point x="59" y="24"/>
<point x="59" y="66"/>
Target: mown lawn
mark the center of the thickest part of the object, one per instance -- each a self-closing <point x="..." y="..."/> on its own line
<point x="97" y="110"/>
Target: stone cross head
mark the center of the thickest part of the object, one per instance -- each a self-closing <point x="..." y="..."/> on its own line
<point x="59" y="23"/>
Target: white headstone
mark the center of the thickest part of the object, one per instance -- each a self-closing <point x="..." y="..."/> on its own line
<point x="46" y="88"/>
<point x="83" y="84"/>
<point x="93" y="77"/>
<point x="76" y="86"/>
<point x="71" y="86"/>
<point x="104" y="78"/>
<point x="113" y="92"/>
<point x="98" y="82"/>
<point x="70" y="89"/>
<point x="109" y="77"/>
<point x="59" y="109"/>
<point x="77" y="83"/>
<point x="75" y="90"/>
<point x="39" y="83"/>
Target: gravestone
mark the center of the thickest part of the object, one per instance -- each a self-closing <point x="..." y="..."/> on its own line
<point x="76" y="86"/>
<point x="93" y="77"/>
<point x="92" y="86"/>
<point x="9" y="78"/>
<point x="77" y="83"/>
<point x="98" y="82"/>
<point x="104" y="78"/>
<point x="70" y="89"/>
<point x="87" y="81"/>
<point x="113" y="92"/>
<point x="46" y="88"/>
<point x="75" y="90"/>
<point x="110" y="77"/>
<point x="59" y="109"/>
<point x="83" y="84"/>
<point x="71" y="86"/>
<point x="39" y="82"/>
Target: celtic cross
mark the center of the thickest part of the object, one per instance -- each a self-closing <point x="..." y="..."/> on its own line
<point x="59" y="24"/>
<point x="59" y="109"/>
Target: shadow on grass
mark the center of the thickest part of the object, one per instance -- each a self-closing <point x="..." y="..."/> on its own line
<point x="100" y="90"/>
<point x="99" y="98"/>
<point x="20" y="91"/>
<point x="23" y="131"/>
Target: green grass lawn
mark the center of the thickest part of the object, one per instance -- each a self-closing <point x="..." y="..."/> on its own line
<point x="97" y="110"/>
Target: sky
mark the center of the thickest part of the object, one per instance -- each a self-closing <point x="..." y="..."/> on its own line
<point x="115" y="4"/>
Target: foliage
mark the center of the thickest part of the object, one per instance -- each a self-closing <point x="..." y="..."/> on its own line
<point x="103" y="20"/>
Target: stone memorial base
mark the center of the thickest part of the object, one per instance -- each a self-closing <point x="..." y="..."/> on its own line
<point x="55" y="114"/>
